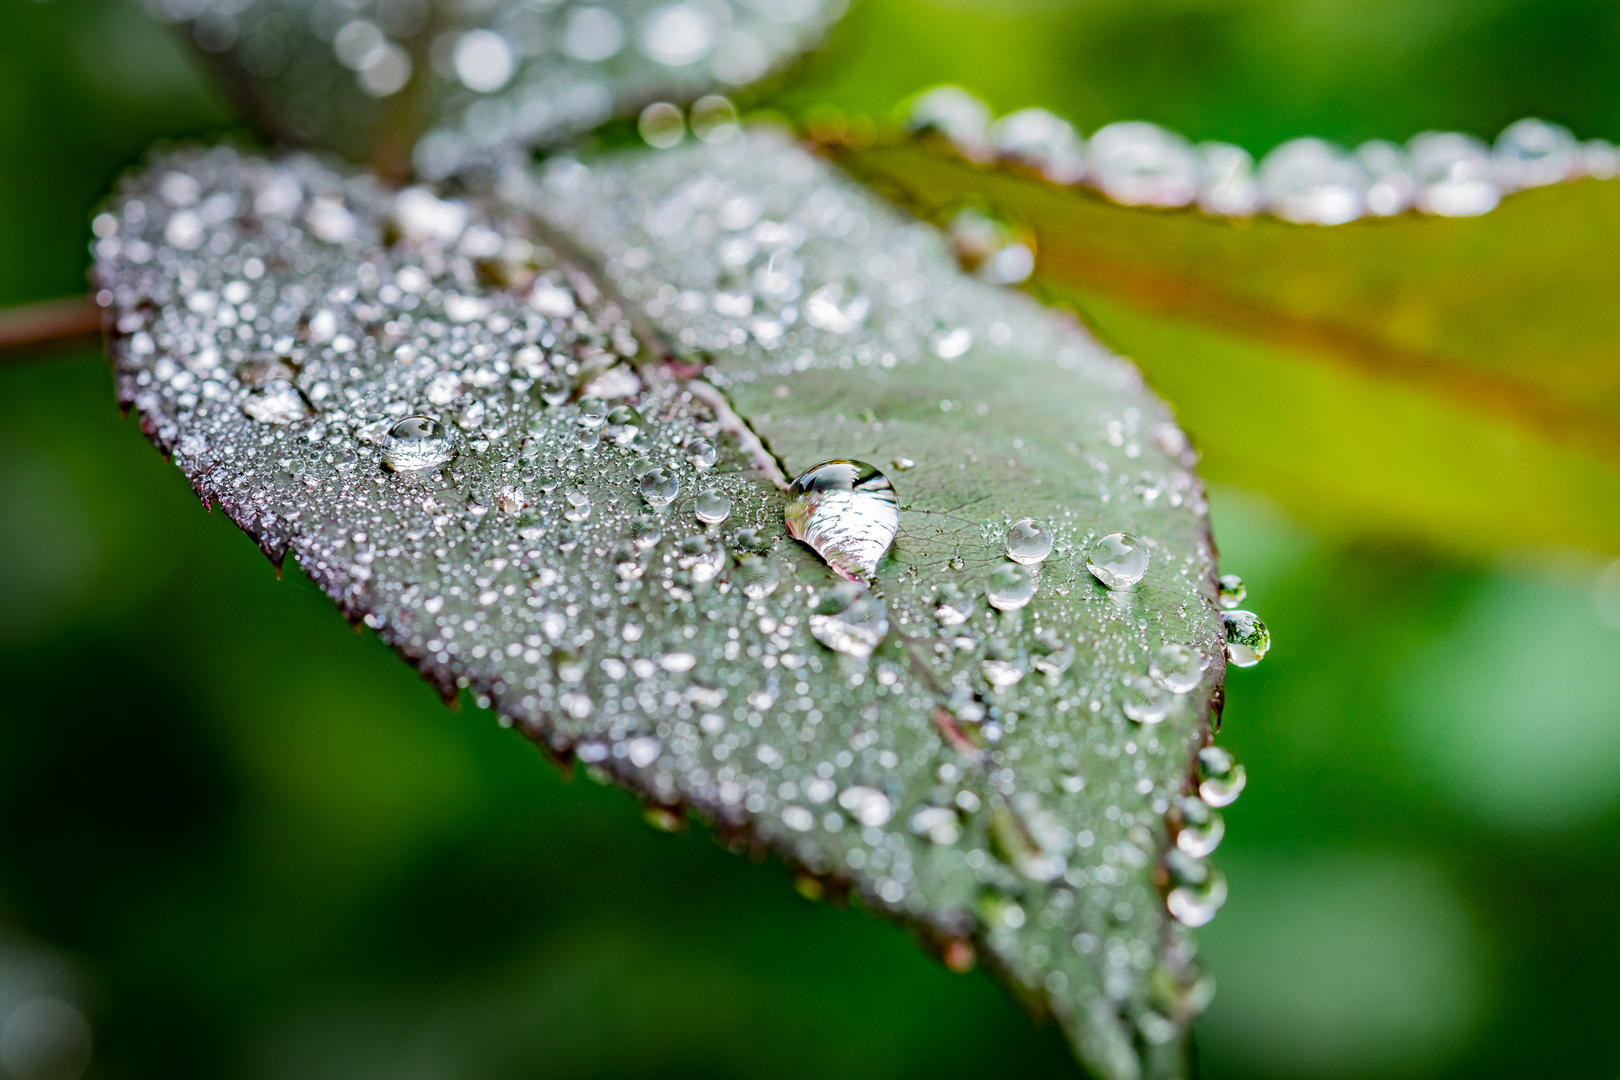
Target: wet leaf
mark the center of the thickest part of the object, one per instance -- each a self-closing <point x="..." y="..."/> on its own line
<point x="539" y="437"/>
<point x="434" y="86"/>
<point x="1451" y="379"/>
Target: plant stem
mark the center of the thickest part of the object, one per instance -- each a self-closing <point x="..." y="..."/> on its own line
<point x="27" y="330"/>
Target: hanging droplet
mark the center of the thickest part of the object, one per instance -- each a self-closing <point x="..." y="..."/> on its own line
<point x="1247" y="638"/>
<point x="954" y="605"/>
<point x="576" y="505"/>
<point x="847" y="512"/>
<point x="1118" y="560"/>
<point x="659" y="487"/>
<point x="756" y="577"/>
<point x="1220" y="777"/>
<point x="1178" y="668"/>
<point x="416" y="442"/>
<point x="1028" y="542"/>
<point x="1010" y="588"/>
<point x="701" y="453"/>
<point x="1199" y="829"/>
<point x="1144" y="700"/>
<point x="711" y="507"/>
<point x="850" y="619"/>
<point x="1232" y="591"/>
<point x="1199" y="889"/>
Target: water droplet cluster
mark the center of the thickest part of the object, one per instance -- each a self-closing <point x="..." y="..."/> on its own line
<point x="494" y="465"/>
<point x="1307" y="181"/>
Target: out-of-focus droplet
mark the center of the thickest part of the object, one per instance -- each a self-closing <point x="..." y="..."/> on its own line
<point x="1044" y="141"/>
<point x="714" y="119"/>
<point x="1533" y="153"/>
<point x="1010" y="588"/>
<point x="576" y="505"/>
<point x="958" y="116"/>
<point x="1118" y="560"/>
<point x="1247" y="638"/>
<point x="850" y="619"/>
<point x="1453" y="174"/>
<point x="1232" y="591"/>
<point x="1052" y="654"/>
<point x="1313" y="182"/>
<point x="1390" y="184"/>
<point x="1220" y="777"/>
<point x="711" y="507"/>
<point x="645" y="531"/>
<point x="1141" y="164"/>
<point x="661" y="125"/>
<point x="1003" y="665"/>
<point x="757" y="577"/>
<point x="1199" y="828"/>
<point x="1198" y="890"/>
<point x="847" y="512"/>
<point x="953" y="605"/>
<point x="1144" y="700"/>
<point x="416" y="442"/>
<point x="1178" y="668"/>
<point x="1226" y="183"/>
<point x="1028" y="542"/>
<point x="701" y="453"/>
<point x="866" y="805"/>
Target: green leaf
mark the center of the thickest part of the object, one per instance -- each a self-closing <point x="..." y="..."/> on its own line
<point x="431" y="87"/>
<point x="978" y="775"/>
<point x="1448" y="379"/>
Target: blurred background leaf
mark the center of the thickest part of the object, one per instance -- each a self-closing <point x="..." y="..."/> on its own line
<point x="265" y="851"/>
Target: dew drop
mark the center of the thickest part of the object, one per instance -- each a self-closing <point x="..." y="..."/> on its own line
<point x="757" y="577"/>
<point x="643" y="751"/>
<point x="1118" y="560"/>
<point x="1144" y="700"/>
<point x="711" y="507"/>
<point x="659" y="487"/>
<point x="1199" y="828"/>
<point x="954" y="605"/>
<point x="576" y="505"/>
<point x="1247" y="638"/>
<point x="1010" y="588"/>
<point x="1232" y="591"/>
<point x="416" y="442"/>
<point x="1178" y="668"/>
<point x="1052" y="655"/>
<point x="1003" y="665"/>
<point x="847" y="512"/>
<point x="274" y="403"/>
<point x="850" y="619"/>
<point x="701" y="453"/>
<point x="623" y="424"/>
<point x="868" y="806"/>
<point x="646" y="531"/>
<point x="1220" y="777"/>
<point x="937" y="824"/>
<point x="949" y="344"/>
<point x="593" y="412"/>
<point x="1028" y="542"/>
<point x="1198" y="892"/>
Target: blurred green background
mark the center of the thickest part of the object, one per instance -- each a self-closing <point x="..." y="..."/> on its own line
<point x="248" y="843"/>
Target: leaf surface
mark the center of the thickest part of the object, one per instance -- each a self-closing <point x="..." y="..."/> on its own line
<point x="1452" y="379"/>
<point x="976" y="776"/>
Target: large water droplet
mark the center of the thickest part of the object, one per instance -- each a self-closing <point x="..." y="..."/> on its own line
<point x="1118" y="560"/>
<point x="847" y="512"/>
<point x="659" y="487"/>
<point x="1220" y="777"/>
<point x="1010" y="588"/>
<point x="576" y="505"/>
<point x="1028" y="542"/>
<point x="711" y="507"/>
<point x="1144" y="700"/>
<point x="646" y="531"/>
<point x="954" y="605"/>
<point x="1178" y="668"/>
<point x="1247" y="638"/>
<point x="1232" y="591"/>
<point x="756" y="577"/>
<point x="850" y="619"/>
<point x="701" y="453"/>
<point x="416" y="442"/>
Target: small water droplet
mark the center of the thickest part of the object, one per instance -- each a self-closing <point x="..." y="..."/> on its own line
<point x="1028" y="542"/>
<point x="1232" y="591"/>
<point x="850" y="619"/>
<point x="1199" y="828"/>
<point x="711" y="507"/>
<point x="1118" y="560"/>
<point x="593" y="412"/>
<point x="1031" y="839"/>
<point x="1178" y="668"/>
<point x="589" y="438"/>
<point x="701" y="453"/>
<point x="1144" y="700"/>
<point x="646" y="531"/>
<point x="1247" y="638"/>
<point x="659" y="487"/>
<point x="868" y="806"/>
<point x="1003" y="665"/>
<point x="1199" y="889"/>
<point x="1220" y="777"/>
<point x="416" y="442"/>
<point x="576" y="505"/>
<point x="756" y="577"/>
<point x="954" y="605"/>
<point x="901" y="464"/>
<point x="1010" y="588"/>
<point x="847" y="512"/>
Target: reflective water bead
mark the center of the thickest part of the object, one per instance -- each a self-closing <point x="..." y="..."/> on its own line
<point x="1118" y="560"/>
<point x="1178" y="668"/>
<point x="645" y="531"/>
<point x="275" y="403"/>
<point x="1144" y="700"/>
<point x="623" y="424"/>
<point x="1199" y="828"/>
<point x="847" y="512"/>
<point x="757" y="577"/>
<point x="576" y="505"/>
<point x="592" y="412"/>
<point x="1199" y="890"/>
<point x="1231" y="592"/>
<point x="1028" y="542"/>
<point x="1003" y="665"/>
<point x="1010" y="588"/>
<point x="1226" y="183"/>
<point x="938" y="824"/>
<point x="954" y="605"/>
<point x="1247" y="638"/>
<point x="1141" y="164"/>
<point x="1220" y="777"/>
<point x="701" y="453"/>
<point x="1390" y="185"/>
<point x="416" y="442"/>
<point x="711" y="507"/>
<point x="1534" y="153"/>
<point x="1051" y="655"/>
<point x="659" y="487"/>
<point x="1313" y="182"/>
<point x="1453" y="173"/>
<point x="1044" y="141"/>
<point x="850" y="619"/>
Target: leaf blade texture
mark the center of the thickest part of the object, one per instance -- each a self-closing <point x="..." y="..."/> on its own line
<point x="722" y="317"/>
